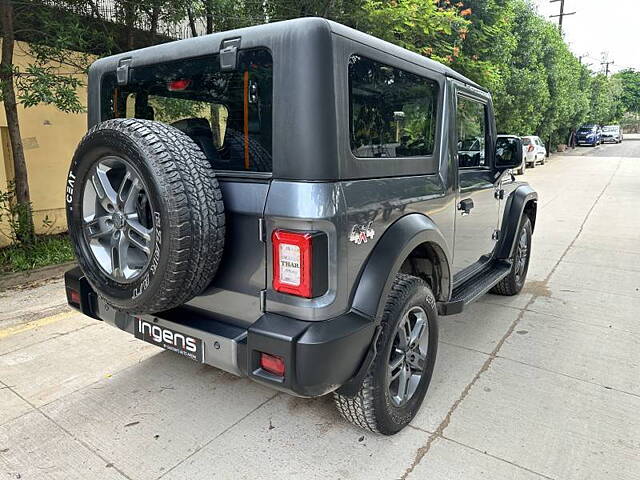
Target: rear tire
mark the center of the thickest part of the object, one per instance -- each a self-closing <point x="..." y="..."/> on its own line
<point x="512" y="284"/>
<point x="381" y="405"/>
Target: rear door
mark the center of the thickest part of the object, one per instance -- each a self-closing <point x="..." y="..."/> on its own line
<point x="477" y="204"/>
<point x="229" y="116"/>
<point x="234" y="295"/>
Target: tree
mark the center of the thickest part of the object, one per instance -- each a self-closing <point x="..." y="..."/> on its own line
<point x="424" y="26"/>
<point x="25" y="232"/>
<point x="51" y="77"/>
<point x="630" y="95"/>
<point x="59" y="43"/>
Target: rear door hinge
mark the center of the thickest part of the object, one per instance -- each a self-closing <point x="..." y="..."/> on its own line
<point x="229" y="54"/>
<point x="496" y="235"/>
<point x="122" y="72"/>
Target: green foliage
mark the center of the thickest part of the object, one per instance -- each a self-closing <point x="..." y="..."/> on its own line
<point x="630" y="86"/>
<point x="45" y="250"/>
<point x="418" y="25"/>
<point x="18" y="217"/>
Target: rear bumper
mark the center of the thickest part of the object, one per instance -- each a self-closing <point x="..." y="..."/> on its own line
<point x="319" y="356"/>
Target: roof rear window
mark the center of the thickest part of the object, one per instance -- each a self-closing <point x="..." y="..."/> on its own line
<point x="227" y="114"/>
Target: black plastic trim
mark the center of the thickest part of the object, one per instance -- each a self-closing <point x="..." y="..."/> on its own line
<point x="319" y="264"/>
<point x="512" y="219"/>
<point x="319" y="356"/>
<point x="74" y="279"/>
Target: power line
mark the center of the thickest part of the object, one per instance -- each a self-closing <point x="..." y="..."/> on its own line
<point x="562" y="13"/>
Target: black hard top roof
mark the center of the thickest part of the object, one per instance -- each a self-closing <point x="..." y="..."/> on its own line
<point x="280" y="32"/>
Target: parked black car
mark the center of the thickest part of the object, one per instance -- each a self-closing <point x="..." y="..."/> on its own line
<point x="286" y="202"/>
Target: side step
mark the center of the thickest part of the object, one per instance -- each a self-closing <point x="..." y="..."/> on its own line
<point x="475" y="287"/>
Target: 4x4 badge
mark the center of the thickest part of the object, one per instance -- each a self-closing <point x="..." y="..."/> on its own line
<point x="361" y="233"/>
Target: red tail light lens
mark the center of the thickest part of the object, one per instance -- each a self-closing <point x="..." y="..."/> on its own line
<point x="272" y="364"/>
<point x="531" y="148"/>
<point x="292" y="262"/>
<point x="73" y="297"/>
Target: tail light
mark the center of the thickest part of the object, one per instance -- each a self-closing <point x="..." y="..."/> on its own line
<point x="531" y="148"/>
<point x="299" y="263"/>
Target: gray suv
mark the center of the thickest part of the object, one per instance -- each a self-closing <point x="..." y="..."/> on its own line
<point x="295" y="203"/>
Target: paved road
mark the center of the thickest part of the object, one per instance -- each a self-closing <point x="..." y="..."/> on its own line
<point x="629" y="148"/>
<point x="543" y="385"/>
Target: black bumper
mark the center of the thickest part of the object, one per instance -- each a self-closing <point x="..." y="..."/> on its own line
<point x="319" y="356"/>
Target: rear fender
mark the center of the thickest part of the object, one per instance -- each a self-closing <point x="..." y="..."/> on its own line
<point x="384" y="262"/>
<point x="514" y="210"/>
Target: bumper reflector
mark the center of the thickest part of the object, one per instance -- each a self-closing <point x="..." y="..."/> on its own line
<point x="272" y="364"/>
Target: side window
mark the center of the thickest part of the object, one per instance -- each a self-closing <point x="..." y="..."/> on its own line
<point x="472" y="133"/>
<point x="393" y="112"/>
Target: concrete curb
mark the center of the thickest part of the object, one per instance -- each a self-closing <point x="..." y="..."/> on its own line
<point x="38" y="275"/>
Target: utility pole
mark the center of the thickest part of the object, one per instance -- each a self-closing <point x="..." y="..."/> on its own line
<point x="562" y="14"/>
<point x="606" y="62"/>
<point x="606" y="68"/>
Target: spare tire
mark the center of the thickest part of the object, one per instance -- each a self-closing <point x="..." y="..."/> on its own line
<point x="145" y="215"/>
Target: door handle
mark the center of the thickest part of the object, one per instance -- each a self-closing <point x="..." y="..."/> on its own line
<point x="465" y="206"/>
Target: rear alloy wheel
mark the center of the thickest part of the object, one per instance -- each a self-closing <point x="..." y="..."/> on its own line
<point x="512" y="284"/>
<point x="397" y="382"/>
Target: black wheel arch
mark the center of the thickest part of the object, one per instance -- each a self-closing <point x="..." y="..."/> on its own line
<point x="522" y="201"/>
<point x="408" y="241"/>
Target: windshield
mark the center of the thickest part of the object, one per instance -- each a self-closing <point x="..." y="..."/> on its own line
<point x="586" y="129"/>
<point x="610" y="129"/>
<point x="227" y="114"/>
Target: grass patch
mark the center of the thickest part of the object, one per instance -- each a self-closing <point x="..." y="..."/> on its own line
<point x="47" y="250"/>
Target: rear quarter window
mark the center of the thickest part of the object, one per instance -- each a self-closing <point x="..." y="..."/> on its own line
<point x="227" y="114"/>
<point x="392" y="112"/>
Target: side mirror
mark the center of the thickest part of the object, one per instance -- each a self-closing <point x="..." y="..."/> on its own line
<point x="508" y="153"/>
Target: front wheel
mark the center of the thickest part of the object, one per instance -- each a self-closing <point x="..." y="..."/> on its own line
<point x="397" y="382"/>
<point x="512" y="284"/>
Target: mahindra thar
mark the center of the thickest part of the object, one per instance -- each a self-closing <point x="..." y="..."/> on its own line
<point x="298" y="203"/>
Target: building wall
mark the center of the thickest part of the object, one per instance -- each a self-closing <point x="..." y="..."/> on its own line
<point x="50" y="138"/>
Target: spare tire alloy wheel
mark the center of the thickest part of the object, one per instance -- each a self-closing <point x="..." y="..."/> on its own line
<point x="118" y="223"/>
<point x="145" y="215"/>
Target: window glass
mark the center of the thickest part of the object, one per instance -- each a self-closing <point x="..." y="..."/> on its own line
<point x="471" y="130"/>
<point x="393" y="112"/>
<point x="228" y="115"/>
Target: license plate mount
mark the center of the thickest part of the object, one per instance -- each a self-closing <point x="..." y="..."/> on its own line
<point x="169" y="339"/>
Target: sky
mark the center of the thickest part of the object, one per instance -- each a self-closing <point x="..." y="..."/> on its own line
<point x="610" y="26"/>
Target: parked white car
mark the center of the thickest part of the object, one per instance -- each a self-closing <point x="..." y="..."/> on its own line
<point x="612" y="133"/>
<point x="535" y="150"/>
